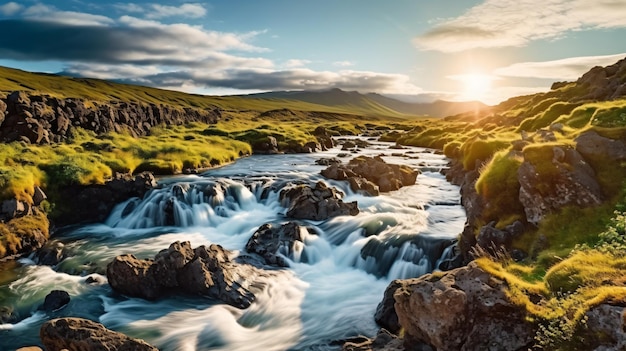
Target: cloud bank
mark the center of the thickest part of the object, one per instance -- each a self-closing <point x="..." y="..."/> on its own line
<point x="504" y="23"/>
<point x="564" y="69"/>
<point x="138" y="48"/>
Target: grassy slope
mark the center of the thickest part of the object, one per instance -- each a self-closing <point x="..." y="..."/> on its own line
<point x="576" y="256"/>
<point x="100" y="90"/>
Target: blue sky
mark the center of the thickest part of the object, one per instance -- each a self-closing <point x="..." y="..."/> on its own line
<point x="452" y="49"/>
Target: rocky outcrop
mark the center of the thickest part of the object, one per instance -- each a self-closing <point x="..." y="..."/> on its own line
<point x="43" y="119"/>
<point x="85" y="335"/>
<point x="603" y="83"/>
<point x="56" y="300"/>
<point x="316" y="203"/>
<point x="324" y="138"/>
<point x="463" y="309"/>
<point x="207" y="271"/>
<point x="593" y="146"/>
<point x="273" y="243"/>
<point x="51" y="253"/>
<point x="564" y="179"/>
<point x="369" y="175"/>
<point x="605" y="328"/>
<point x="93" y="203"/>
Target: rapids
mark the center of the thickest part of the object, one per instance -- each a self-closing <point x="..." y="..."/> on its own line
<point x="329" y="292"/>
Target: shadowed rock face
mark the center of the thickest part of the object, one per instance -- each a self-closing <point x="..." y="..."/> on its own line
<point x="207" y="271"/>
<point x="83" y="334"/>
<point x="274" y="243"/>
<point x="42" y="119"/>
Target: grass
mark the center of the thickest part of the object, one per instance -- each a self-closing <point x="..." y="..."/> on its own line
<point x="17" y="233"/>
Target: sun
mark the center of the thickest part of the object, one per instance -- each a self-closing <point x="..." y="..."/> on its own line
<point x="476" y="86"/>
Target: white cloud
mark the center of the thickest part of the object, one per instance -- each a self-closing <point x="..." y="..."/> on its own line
<point x="296" y="63"/>
<point x="502" y="23"/>
<point x="564" y="69"/>
<point x="129" y="7"/>
<point x="10" y="8"/>
<point x="191" y="10"/>
<point x="343" y="63"/>
<point x="51" y="14"/>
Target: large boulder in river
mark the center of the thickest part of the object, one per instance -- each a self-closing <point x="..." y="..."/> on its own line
<point x="376" y="174"/>
<point x="85" y="335"/>
<point x="273" y="243"/>
<point x="316" y="203"/>
<point x="207" y="271"/>
<point x="463" y="309"/>
<point x="554" y="177"/>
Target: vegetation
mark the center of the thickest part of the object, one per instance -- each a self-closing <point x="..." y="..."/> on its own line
<point x="21" y="232"/>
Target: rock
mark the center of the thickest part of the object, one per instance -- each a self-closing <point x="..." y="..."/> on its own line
<point x="327" y="161"/>
<point x="363" y="186"/>
<point x="273" y="244"/>
<point x="387" y="177"/>
<point x="265" y="146"/>
<point x="86" y="335"/>
<point x="383" y="341"/>
<point x="51" y="253"/>
<point x="38" y="196"/>
<point x="30" y="348"/>
<point x="493" y="240"/>
<point x="385" y="315"/>
<point x="592" y="146"/>
<point x="206" y="271"/>
<point x="7" y="314"/>
<point x="13" y="208"/>
<point x="319" y="203"/>
<point x="550" y="183"/>
<point x="605" y="328"/>
<point x="463" y="309"/>
<point x="56" y="300"/>
<point x="324" y="138"/>
<point x="93" y="203"/>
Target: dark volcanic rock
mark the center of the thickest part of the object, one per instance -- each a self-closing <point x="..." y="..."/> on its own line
<point x="43" y="119"/>
<point x="382" y="176"/>
<point x="318" y="203"/>
<point x="207" y="271"/>
<point x="273" y="243"/>
<point x="85" y="335"/>
<point x="51" y="253"/>
<point x="56" y="300"/>
<point x="93" y="203"/>
<point x="386" y="315"/>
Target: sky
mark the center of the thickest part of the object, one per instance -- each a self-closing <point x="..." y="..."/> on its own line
<point x="457" y="50"/>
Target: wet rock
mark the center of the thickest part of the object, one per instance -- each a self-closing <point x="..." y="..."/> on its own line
<point x="554" y="181"/>
<point x="51" y="253"/>
<point x="324" y="138"/>
<point x="86" y="335"/>
<point x="383" y="341"/>
<point x="93" y="203"/>
<point x="7" y="314"/>
<point x="207" y="271"/>
<point x="274" y="243"/>
<point x="265" y="146"/>
<point x="363" y="186"/>
<point x="325" y="161"/>
<point x="316" y="203"/>
<point x="463" y="309"/>
<point x="56" y="300"/>
<point x="385" y="315"/>
<point x="387" y="177"/>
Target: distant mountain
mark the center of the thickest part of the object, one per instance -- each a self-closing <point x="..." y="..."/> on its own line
<point x="372" y="101"/>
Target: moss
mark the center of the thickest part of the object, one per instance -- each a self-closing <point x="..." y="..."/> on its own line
<point x="17" y="233"/>
<point x="478" y="150"/>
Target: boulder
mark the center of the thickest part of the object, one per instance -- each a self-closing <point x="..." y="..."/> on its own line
<point x="207" y="271"/>
<point x="463" y="309"/>
<point x="550" y="182"/>
<point x="273" y="244"/>
<point x="383" y="341"/>
<point x="38" y="196"/>
<point x="56" y="300"/>
<point x="324" y="138"/>
<point x="7" y="314"/>
<point x="51" y="253"/>
<point x="363" y="186"/>
<point x="318" y="203"/>
<point x="605" y="328"/>
<point x="13" y="208"/>
<point x="387" y="177"/>
<point x="593" y="146"/>
<point x="385" y="315"/>
<point x="85" y="335"/>
<point x="266" y="146"/>
<point x="492" y="239"/>
<point x="326" y="161"/>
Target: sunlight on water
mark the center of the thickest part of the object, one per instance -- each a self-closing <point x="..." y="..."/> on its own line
<point x="337" y="275"/>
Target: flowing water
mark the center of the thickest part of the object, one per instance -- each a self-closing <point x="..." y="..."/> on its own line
<point x="329" y="291"/>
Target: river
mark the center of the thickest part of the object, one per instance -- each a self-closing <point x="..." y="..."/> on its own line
<point x="330" y="295"/>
